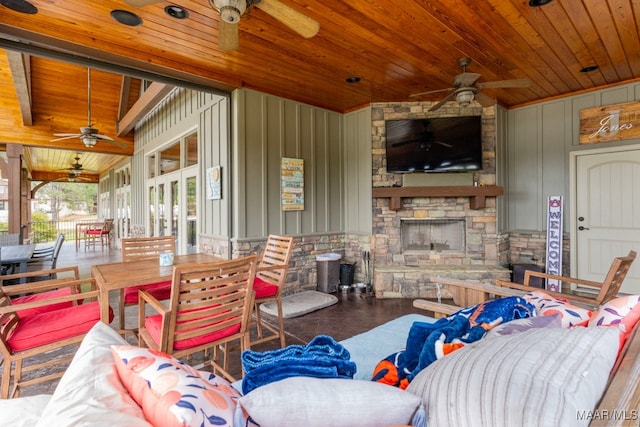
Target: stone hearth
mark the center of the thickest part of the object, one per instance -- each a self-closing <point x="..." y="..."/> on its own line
<point x="414" y="281"/>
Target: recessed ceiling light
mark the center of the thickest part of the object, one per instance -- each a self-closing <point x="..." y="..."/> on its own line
<point x="22" y="6"/>
<point x="588" y="68"/>
<point x="176" y="12"/>
<point x="126" y="18"/>
<point x="538" y="3"/>
<point x="353" y="79"/>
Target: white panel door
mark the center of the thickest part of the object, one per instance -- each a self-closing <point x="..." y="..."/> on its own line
<point x="607" y="214"/>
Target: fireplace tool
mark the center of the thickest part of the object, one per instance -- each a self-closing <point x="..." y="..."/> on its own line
<point x="366" y="266"/>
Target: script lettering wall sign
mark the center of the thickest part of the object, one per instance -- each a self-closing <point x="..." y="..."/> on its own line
<point x="610" y="123"/>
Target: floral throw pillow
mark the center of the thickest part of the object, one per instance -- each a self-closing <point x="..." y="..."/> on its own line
<point x="615" y="311"/>
<point x="571" y="314"/>
<point x="172" y="393"/>
<point x="622" y="312"/>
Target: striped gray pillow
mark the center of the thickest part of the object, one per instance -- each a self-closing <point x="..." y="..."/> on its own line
<point x="540" y="377"/>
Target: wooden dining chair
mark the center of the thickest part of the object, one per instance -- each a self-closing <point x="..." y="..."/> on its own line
<point x="271" y="276"/>
<point x="101" y="234"/>
<point x="139" y="248"/>
<point x="581" y="291"/>
<point x="209" y="307"/>
<point x="30" y="329"/>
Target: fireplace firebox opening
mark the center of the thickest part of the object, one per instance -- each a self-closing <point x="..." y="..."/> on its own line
<point x="423" y="235"/>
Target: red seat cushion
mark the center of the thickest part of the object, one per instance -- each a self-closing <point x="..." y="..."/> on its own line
<point x="154" y="324"/>
<point x="160" y="291"/>
<point x="45" y="328"/>
<point x="94" y="232"/>
<point x="264" y="289"/>
<point x="40" y="297"/>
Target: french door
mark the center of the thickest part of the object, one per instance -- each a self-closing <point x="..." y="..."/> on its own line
<point x="173" y="201"/>
<point x="607" y="214"/>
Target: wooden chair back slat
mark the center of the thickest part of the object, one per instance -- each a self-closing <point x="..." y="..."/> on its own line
<point x="614" y="278"/>
<point x="603" y="291"/>
<point x="210" y="297"/>
<point x="137" y="248"/>
<point x="9" y="320"/>
<point x="274" y="264"/>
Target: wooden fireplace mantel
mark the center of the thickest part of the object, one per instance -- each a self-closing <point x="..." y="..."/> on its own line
<point x="477" y="195"/>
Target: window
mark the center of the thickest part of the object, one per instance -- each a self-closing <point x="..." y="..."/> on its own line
<point x="191" y="145"/>
<point x="170" y="159"/>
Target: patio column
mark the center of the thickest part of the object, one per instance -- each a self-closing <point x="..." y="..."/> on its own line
<point x="18" y="189"/>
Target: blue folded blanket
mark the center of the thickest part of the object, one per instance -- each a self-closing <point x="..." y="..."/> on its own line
<point x="321" y="358"/>
<point x="428" y="342"/>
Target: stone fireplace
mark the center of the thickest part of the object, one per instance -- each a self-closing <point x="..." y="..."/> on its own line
<point x="441" y="229"/>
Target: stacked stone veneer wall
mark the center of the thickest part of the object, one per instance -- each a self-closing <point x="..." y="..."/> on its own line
<point x="396" y="274"/>
<point x="529" y="247"/>
<point x="302" y="274"/>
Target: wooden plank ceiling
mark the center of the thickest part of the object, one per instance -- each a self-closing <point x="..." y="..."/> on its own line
<point x="395" y="48"/>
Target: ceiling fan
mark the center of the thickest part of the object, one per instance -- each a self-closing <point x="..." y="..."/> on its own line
<point x="76" y="168"/>
<point x="71" y="177"/>
<point x="466" y="88"/>
<point x="231" y="10"/>
<point x="88" y="135"/>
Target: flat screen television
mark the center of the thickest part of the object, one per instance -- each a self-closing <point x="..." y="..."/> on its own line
<point x="439" y="144"/>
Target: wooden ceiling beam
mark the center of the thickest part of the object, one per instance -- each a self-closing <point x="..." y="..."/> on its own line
<point x="149" y="100"/>
<point x="125" y="91"/>
<point x="20" y="65"/>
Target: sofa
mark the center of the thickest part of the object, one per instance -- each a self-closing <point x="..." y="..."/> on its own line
<point x="571" y="376"/>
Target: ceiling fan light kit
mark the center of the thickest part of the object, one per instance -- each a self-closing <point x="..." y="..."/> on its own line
<point x="465" y="97"/>
<point x="230" y="10"/>
<point x="89" y="140"/>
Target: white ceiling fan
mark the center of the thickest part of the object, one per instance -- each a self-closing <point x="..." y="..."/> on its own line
<point x="466" y="88"/>
<point x="88" y="135"/>
<point x="231" y="10"/>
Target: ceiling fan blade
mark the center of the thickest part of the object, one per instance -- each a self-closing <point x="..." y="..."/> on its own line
<point x="228" y="36"/>
<point x="140" y="3"/>
<point x="442" y="101"/>
<point x="432" y="91"/>
<point x="117" y="143"/>
<point x="298" y="22"/>
<point x="64" y="136"/>
<point x="105" y="137"/>
<point x="484" y="100"/>
<point x="505" y="83"/>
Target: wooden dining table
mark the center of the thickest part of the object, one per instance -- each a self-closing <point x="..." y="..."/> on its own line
<point x="17" y="255"/>
<point x="118" y="275"/>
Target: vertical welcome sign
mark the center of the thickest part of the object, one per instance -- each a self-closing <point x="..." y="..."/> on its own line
<point x="554" y="242"/>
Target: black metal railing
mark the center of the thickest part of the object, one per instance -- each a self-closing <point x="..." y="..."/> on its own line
<point x="46" y="231"/>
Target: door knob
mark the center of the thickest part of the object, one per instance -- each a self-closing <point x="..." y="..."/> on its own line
<point x="582" y="228"/>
